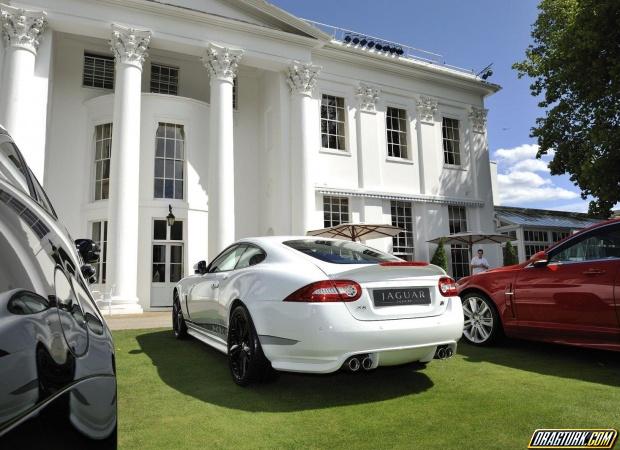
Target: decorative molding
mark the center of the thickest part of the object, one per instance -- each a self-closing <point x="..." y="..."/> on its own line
<point x="130" y="45"/>
<point x="21" y="27"/>
<point x="302" y="77"/>
<point x="426" y="108"/>
<point x="368" y="96"/>
<point x="478" y="117"/>
<point x="419" y="198"/>
<point x="222" y="62"/>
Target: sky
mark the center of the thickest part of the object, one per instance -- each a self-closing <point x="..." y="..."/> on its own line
<point x="470" y="34"/>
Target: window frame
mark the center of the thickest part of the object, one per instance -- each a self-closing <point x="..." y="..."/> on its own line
<point x="344" y="123"/>
<point x="95" y="160"/>
<point x="230" y="248"/>
<point x="459" y="142"/>
<point x="104" y="229"/>
<point x="167" y="243"/>
<point x="460" y="220"/>
<point x="169" y="68"/>
<point x="165" y="122"/>
<point x="332" y="212"/>
<point x="408" y="255"/>
<point x="249" y="245"/>
<point x="403" y="133"/>
<point x="100" y="55"/>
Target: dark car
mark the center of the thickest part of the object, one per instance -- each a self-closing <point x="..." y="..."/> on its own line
<point x="57" y="368"/>
<point x="567" y="294"/>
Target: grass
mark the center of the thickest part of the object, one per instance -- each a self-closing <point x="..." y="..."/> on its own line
<point x="178" y="394"/>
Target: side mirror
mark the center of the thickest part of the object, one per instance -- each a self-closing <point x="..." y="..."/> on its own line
<point x="200" y="267"/>
<point x="88" y="250"/>
<point x="540" y="259"/>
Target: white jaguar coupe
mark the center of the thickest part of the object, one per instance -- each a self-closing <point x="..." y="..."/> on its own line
<point x="316" y="305"/>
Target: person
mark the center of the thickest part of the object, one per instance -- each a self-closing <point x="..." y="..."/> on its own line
<point x="479" y="263"/>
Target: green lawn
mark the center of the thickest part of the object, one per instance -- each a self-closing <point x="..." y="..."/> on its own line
<point x="178" y="394"/>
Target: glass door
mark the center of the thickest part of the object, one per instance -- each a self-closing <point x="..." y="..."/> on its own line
<point x="167" y="266"/>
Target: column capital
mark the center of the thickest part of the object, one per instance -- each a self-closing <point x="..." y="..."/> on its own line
<point x="130" y="45"/>
<point x="21" y="27"/>
<point x="302" y="77"/>
<point x="222" y="62"/>
<point x="427" y="106"/>
<point x="478" y="117"/>
<point x="368" y="96"/>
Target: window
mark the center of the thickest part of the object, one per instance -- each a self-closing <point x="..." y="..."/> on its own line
<point x="512" y="234"/>
<point x="557" y="236"/>
<point x="167" y="251"/>
<point x="335" y="211"/>
<point x="227" y="260"/>
<point x="459" y="254"/>
<point x="103" y="152"/>
<point x="339" y="252"/>
<point x="24" y="303"/>
<point x="451" y="141"/>
<point x="332" y="122"/>
<point x="164" y="79"/>
<point x="169" y="158"/>
<point x="99" y="234"/>
<point x="98" y="71"/>
<point x="42" y="197"/>
<point x="235" y="93"/>
<point x="457" y="219"/>
<point x="12" y="167"/>
<point x="252" y="256"/>
<point x="603" y="243"/>
<point x="535" y="241"/>
<point x="396" y="125"/>
<point x="402" y="243"/>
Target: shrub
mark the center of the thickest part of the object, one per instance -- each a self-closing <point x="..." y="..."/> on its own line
<point x="440" y="258"/>
<point x="510" y="255"/>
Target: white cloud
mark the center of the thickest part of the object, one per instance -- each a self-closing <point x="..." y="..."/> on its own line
<point x="522" y="179"/>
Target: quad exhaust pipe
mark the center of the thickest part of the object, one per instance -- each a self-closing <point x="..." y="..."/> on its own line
<point x="357" y="362"/>
<point x="444" y="352"/>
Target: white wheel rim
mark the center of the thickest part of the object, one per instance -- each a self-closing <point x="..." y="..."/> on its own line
<point x="478" y="324"/>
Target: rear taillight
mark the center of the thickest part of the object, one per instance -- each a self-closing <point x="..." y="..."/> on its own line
<point x="447" y="287"/>
<point x="404" y="263"/>
<point x="327" y="291"/>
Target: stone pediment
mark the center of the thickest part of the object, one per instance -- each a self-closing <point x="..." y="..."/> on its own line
<point x="255" y="12"/>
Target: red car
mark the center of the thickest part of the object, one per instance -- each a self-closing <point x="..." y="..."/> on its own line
<point x="568" y="294"/>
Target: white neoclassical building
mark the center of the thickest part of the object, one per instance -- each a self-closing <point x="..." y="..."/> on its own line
<point x="245" y="120"/>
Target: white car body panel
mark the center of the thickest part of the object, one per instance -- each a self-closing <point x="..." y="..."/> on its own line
<point x="319" y="337"/>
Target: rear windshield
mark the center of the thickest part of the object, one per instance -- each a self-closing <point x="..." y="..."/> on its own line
<point x="340" y="252"/>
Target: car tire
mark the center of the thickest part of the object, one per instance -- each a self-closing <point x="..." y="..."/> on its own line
<point x="246" y="359"/>
<point x="178" y="321"/>
<point x="482" y="324"/>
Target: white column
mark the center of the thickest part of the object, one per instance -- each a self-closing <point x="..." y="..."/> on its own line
<point x="129" y="47"/>
<point x="302" y="78"/>
<point x="222" y="65"/>
<point x="21" y="30"/>
<point x="430" y="156"/>
<point x="368" y="152"/>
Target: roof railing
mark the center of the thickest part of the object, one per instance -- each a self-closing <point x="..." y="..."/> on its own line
<point x="377" y="45"/>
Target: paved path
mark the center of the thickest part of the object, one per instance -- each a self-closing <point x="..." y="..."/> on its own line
<point x="139" y="321"/>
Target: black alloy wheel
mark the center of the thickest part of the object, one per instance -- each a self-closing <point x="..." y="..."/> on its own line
<point x="178" y="322"/>
<point x="246" y="359"/>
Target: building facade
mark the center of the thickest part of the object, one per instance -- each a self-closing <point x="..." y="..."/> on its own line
<point x="245" y="121"/>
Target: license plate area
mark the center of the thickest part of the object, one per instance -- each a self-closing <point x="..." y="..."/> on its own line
<point x="401" y="296"/>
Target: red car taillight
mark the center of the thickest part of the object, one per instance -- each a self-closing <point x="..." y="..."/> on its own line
<point x="447" y="287"/>
<point x="327" y="291"/>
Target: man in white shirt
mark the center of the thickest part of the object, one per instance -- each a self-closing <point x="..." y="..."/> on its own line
<point x="479" y="263"/>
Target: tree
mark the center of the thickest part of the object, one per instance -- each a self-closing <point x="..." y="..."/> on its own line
<point x="510" y="255"/>
<point x="440" y="258"/>
<point x="574" y="62"/>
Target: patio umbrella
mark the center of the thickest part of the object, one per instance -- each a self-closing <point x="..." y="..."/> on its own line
<point x="471" y="237"/>
<point x="357" y="231"/>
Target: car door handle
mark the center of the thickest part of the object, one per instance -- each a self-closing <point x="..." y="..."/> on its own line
<point x="594" y="272"/>
<point x="215" y="285"/>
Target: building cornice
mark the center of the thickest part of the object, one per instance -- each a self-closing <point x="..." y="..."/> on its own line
<point x="416" y="198"/>
<point x="173" y="11"/>
<point x="407" y="67"/>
